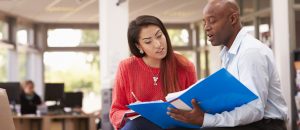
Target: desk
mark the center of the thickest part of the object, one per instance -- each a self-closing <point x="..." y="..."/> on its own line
<point x="55" y="122"/>
<point x="28" y="122"/>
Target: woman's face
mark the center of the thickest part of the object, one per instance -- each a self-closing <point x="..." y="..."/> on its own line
<point x="153" y="42"/>
<point x="28" y="89"/>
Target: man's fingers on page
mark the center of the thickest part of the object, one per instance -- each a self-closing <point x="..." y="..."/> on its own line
<point x="178" y="117"/>
<point x="195" y="104"/>
<point x="172" y="110"/>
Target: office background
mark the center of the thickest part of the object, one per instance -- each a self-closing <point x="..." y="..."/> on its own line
<point x="80" y="42"/>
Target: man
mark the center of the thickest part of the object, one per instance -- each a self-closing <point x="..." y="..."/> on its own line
<point x="251" y="62"/>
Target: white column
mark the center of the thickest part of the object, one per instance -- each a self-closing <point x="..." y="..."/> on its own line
<point x="13" y="69"/>
<point x="280" y="18"/>
<point x="113" y="23"/>
<point x="113" y="38"/>
<point x="35" y="72"/>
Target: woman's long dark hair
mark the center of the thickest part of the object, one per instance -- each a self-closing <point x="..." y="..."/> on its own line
<point x="169" y="64"/>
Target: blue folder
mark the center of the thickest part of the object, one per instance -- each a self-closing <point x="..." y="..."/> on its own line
<point x="217" y="93"/>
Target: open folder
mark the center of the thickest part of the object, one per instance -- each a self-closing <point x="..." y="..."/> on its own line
<point x="217" y="93"/>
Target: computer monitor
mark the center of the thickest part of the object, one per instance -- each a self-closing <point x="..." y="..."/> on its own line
<point x="73" y="99"/>
<point x="13" y="90"/>
<point x="54" y="92"/>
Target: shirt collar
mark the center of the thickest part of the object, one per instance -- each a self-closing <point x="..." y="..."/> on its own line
<point x="236" y="43"/>
<point x="223" y="51"/>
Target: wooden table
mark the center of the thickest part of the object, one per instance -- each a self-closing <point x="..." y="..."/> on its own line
<point x="55" y="122"/>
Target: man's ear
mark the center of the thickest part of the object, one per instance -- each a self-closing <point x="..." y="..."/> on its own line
<point x="234" y="18"/>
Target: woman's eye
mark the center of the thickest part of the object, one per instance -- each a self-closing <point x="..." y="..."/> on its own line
<point x="147" y="42"/>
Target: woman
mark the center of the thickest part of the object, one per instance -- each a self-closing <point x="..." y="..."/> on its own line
<point x="153" y="72"/>
<point x="29" y="99"/>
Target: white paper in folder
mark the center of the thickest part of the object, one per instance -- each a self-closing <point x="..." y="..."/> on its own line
<point x="6" y="120"/>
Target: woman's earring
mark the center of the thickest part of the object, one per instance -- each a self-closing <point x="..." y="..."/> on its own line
<point x="141" y="51"/>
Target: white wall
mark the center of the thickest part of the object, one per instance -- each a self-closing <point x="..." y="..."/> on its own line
<point x="113" y="40"/>
<point x="280" y="20"/>
<point x="113" y="48"/>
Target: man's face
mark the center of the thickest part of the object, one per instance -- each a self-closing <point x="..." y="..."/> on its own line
<point x="217" y="24"/>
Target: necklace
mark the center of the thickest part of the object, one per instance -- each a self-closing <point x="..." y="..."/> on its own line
<point x="155" y="78"/>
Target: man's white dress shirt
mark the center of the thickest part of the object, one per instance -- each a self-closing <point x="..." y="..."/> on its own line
<point x="252" y="63"/>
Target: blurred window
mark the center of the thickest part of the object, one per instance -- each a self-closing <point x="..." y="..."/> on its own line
<point x="22" y="65"/>
<point x="249" y="26"/>
<point x="190" y="55"/>
<point x="179" y="37"/>
<point x="22" y="37"/>
<point x="297" y="22"/>
<point x="247" y="7"/>
<point x="80" y="71"/>
<point x="264" y="31"/>
<point x="3" y="30"/>
<point x="67" y="37"/>
<point x="3" y="65"/>
<point x="263" y="4"/>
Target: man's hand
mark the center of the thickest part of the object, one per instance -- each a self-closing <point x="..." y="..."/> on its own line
<point x="194" y="116"/>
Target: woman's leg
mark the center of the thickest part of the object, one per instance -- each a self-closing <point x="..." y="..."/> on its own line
<point x="140" y="123"/>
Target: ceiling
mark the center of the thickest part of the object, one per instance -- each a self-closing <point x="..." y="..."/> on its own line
<point x="86" y="11"/>
<point x="170" y="11"/>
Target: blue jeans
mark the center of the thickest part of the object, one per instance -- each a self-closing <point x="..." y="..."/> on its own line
<point x="141" y="123"/>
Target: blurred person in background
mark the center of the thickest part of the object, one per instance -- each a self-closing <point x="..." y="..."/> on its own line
<point x="29" y="99"/>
